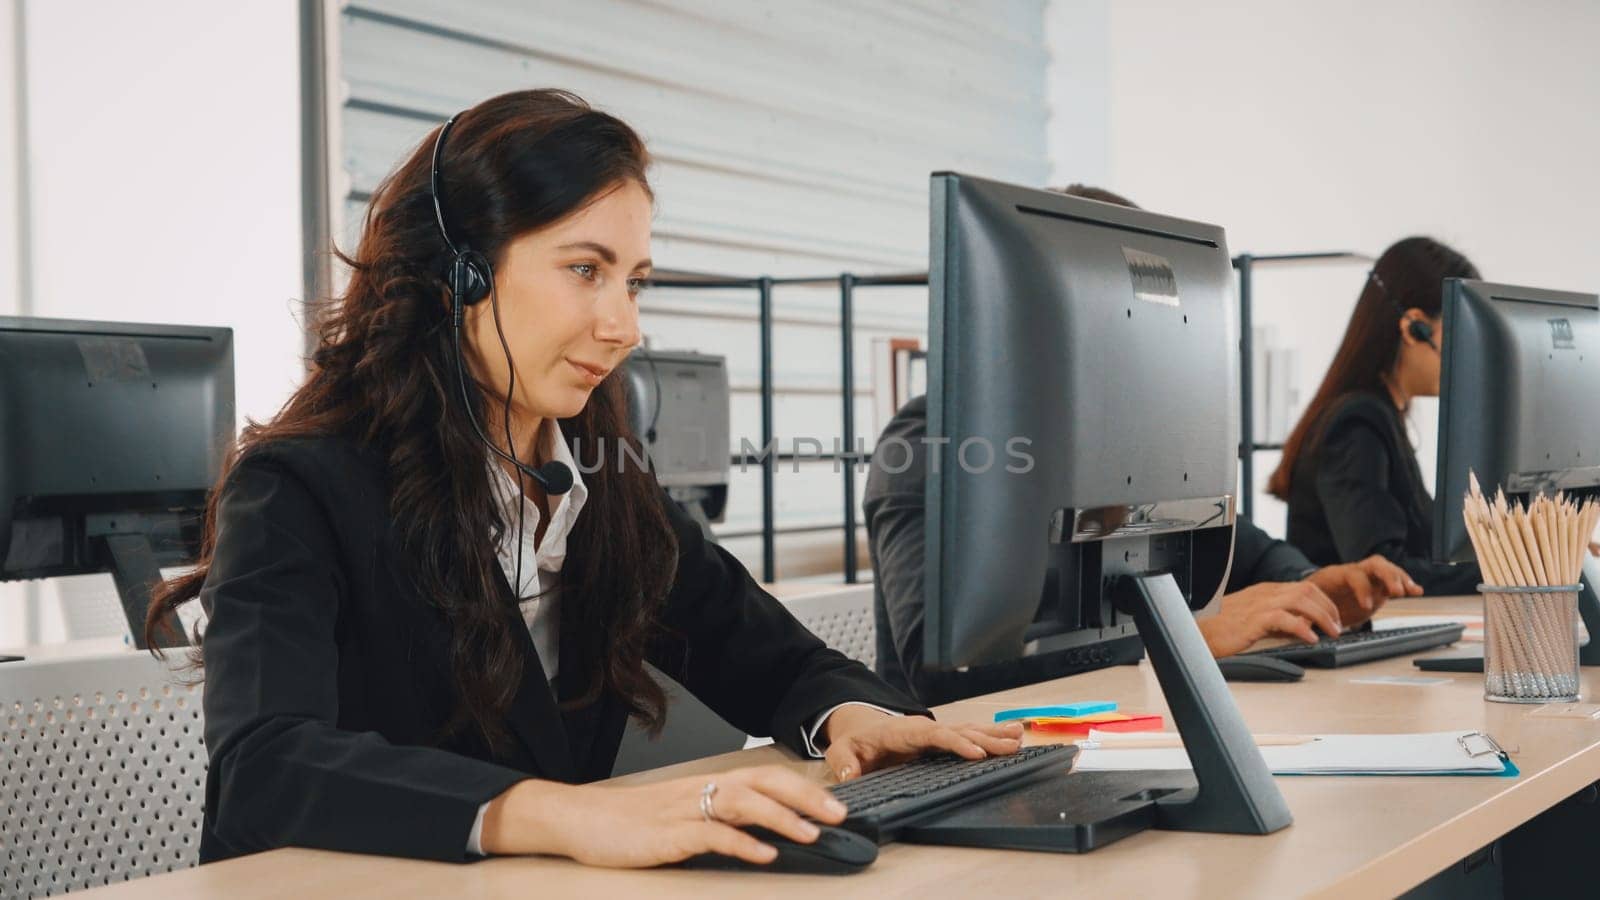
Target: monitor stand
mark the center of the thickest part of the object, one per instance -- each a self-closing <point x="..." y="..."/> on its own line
<point x="1230" y="789"/>
<point x="1588" y="610"/>
<point x="134" y="570"/>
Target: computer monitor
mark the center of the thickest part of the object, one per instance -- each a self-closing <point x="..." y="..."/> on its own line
<point x="1519" y="384"/>
<point x="678" y="405"/>
<point x="1083" y="387"/>
<point x="111" y="435"/>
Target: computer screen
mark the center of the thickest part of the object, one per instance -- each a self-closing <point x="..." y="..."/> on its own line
<point x="678" y="404"/>
<point x="111" y="435"/>
<point x="1519" y="388"/>
<point x="1083" y="393"/>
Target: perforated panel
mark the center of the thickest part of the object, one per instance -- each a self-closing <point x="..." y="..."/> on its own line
<point x="89" y="606"/>
<point x="843" y="619"/>
<point x="103" y="769"/>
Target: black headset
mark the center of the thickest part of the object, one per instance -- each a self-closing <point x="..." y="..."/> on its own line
<point x="470" y="278"/>
<point x="468" y="275"/>
<point x="1420" y="329"/>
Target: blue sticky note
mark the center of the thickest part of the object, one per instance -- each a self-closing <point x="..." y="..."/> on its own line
<point x="1065" y="709"/>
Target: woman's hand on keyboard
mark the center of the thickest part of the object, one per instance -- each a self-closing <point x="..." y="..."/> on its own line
<point x="1269" y="609"/>
<point x="1360" y="589"/>
<point x="861" y="739"/>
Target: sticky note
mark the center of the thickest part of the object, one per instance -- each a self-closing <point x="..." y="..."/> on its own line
<point x="1090" y="719"/>
<point x="1125" y="724"/>
<point x="1066" y="709"/>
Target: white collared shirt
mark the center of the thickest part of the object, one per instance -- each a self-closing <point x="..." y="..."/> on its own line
<point x="541" y="573"/>
<point x="541" y="564"/>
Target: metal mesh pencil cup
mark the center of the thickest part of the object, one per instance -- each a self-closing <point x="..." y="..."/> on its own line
<point x="1530" y="643"/>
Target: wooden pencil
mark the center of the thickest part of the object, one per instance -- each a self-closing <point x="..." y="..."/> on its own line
<point x="1587" y="523"/>
<point x="1530" y="619"/>
<point x="1508" y="654"/>
<point x="1533" y="569"/>
<point x="1506" y="657"/>
<point x="1561" y="606"/>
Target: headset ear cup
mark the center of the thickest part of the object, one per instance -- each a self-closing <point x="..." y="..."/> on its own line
<point x="482" y="280"/>
<point x="470" y="277"/>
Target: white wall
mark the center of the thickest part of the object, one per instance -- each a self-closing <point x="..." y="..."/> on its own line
<point x="164" y="141"/>
<point x="166" y="164"/>
<point x="13" y="606"/>
<point x="1077" y="88"/>
<point x="11" y="206"/>
<point x="1313" y="126"/>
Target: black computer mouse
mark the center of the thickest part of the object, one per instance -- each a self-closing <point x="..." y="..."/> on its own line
<point x="835" y="852"/>
<point x="1259" y="668"/>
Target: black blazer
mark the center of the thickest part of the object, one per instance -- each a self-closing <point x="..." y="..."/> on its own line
<point x="1359" y="491"/>
<point x="327" y="678"/>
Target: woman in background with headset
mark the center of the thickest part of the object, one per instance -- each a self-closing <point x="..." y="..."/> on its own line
<point x="1349" y="471"/>
<point x="373" y="682"/>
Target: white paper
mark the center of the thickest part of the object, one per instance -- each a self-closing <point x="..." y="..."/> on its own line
<point x="1472" y="635"/>
<point x="1385" y="623"/>
<point x="1327" y="754"/>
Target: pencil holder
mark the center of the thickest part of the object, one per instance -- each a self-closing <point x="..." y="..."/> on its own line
<point x="1530" y="643"/>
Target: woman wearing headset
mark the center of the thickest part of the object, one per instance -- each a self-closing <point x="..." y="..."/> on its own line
<point x="1349" y="471"/>
<point x="373" y="681"/>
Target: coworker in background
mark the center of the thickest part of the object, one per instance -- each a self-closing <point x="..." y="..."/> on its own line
<point x="1349" y="472"/>
<point x="1272" y="588"/>
<point x="373" y="682"/>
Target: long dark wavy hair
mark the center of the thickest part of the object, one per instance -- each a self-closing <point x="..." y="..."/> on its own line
<point x="383" y="372"/>
<point x="1409" y="275"/>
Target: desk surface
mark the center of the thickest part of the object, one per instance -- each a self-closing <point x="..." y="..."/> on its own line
<point x="788" y="590"/>
<point x="1374" y="836"/>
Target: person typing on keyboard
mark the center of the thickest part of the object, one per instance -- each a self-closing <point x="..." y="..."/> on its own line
<point x="1272" y="590"/>
<point x="1297" y="609"/>
<point x="427" y="622"/>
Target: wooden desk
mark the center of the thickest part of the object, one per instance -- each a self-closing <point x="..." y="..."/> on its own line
<point x="1362" y="837"/>
<point x="785" y="590"/>
<point x="70" y="649"/>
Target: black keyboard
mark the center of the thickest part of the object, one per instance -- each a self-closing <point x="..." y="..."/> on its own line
<point x="1365" y="646"/>
<point x="882" y="803"/>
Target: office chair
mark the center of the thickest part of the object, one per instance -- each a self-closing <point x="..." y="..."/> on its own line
<point x="842" y="618"/>
<point x="102" y="772"/>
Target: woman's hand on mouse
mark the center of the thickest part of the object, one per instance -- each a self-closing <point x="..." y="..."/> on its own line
<point x="656" y="824"/>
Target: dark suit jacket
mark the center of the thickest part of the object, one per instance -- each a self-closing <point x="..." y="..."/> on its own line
<point x="895" y="502"/>
<point x="1359" y="491"/>
<point x="327" y="678"/>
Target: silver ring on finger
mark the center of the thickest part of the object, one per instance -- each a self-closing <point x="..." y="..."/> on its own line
<point x="707" y="811"/>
